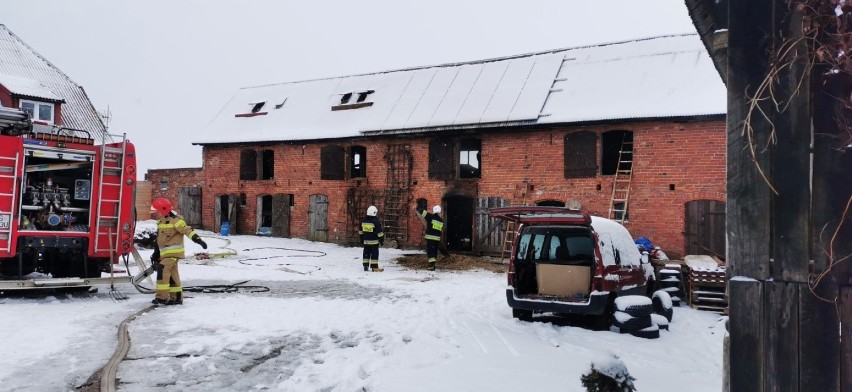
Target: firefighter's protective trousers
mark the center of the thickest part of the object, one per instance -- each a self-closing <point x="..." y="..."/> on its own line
<point x="168" y="280"/>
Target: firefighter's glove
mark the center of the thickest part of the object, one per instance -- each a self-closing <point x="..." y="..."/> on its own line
<point x="382" y="242"/>
<point x="201" y="242"/>
<point x="155" y="257"/>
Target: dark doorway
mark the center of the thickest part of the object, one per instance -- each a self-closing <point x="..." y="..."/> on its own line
<point x="459" y="223"/>
<point x="264" y="215"/>
<point x="705" y="228"/>
<point x="225" y="211"/>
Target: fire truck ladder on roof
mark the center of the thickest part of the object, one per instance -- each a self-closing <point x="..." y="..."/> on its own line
<point x="107" y="225"/>
<point x="8" y="170"/>
<point x="621" y="184"/>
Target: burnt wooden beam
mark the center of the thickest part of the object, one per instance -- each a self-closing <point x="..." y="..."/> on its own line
<point x="818" y="342"/>
<point x="748" y="209"/>
<point x="791" y="160"/>
<point x="746" y="350"/>
<point x="782" y="335"/>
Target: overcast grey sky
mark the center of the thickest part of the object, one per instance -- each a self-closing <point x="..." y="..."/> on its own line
<point x="165" y="67"/>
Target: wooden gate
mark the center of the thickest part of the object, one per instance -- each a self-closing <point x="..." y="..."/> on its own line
<point x="281" y="215"/>
<point x="704" y="233"/>
<point x="317" y="218"/>
<point x="189" y="203"/>
<point x="488" y="231"/>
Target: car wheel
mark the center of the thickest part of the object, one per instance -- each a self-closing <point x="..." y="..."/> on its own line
<point x="634" y="305"/>
<point x="662" y="303"/>
<point x="522" y="314"/>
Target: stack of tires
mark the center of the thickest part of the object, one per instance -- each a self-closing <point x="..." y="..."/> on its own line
<point x="641" y="316"/>
<point x="670" y="282"/>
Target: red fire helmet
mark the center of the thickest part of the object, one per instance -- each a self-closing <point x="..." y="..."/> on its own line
<point x="162" y="205"/>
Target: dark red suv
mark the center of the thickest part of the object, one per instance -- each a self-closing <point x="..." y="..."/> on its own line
<point x="565" y="261"/>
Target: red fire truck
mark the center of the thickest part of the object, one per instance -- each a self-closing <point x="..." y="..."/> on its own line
<point x="66" y="203"/>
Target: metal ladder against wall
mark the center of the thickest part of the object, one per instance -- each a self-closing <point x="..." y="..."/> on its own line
<point x="105" y="223"/>
<point x="511" y="228"/>
<point x="397" y="194"/>
<point x="8" y="170"/>
<point x="621" y="185"/>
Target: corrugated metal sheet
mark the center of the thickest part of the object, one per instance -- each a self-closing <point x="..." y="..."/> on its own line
<point x="649" y="78"/>
<point x="18" y="60"/>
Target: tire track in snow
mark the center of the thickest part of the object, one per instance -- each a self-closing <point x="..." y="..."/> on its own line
<point x="475" y="338"/>
<point x="503" y="339"/>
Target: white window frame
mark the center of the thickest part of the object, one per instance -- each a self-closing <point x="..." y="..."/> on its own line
<point x="37" y="106"/>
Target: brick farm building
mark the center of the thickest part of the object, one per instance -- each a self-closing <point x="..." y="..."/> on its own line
<point x="632" y="130"/>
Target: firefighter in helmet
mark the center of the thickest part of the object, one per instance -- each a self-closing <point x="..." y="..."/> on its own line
<point x="169" y="249"/>
<point x="372" y="237"/>
<point x="434" y="226"/>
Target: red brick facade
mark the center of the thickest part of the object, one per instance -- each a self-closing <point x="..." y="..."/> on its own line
<point x="674" y="163"/>
<point x="168" y="182"/>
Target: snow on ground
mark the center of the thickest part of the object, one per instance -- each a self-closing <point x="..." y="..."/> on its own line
<point x="326" y="325"/>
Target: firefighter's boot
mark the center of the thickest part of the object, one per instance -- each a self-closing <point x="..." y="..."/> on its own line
<point x="377" y="269"/>
<point x="158" y="302"/>
<point x="178" y="299"/>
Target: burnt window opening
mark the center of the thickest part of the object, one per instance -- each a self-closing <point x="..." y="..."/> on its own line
<point x="248" y="165"/>
<point x="441" y="159"/>
<point x="242" y="199"/>
<point x="469" y="158"/>
<point x="257" y="106"/>
<point x="332" y="163"/>
<point x="362" y="96"/>
<point x="357" y="162"/>
<point x="267" y="165"/>
<point x="421" y="204"/>
<point x="164" y="183"/>
<point x="344" y="99"/>
<point x="580" y="155"/>
<point x="612" y="145"/>
<point x="292" y="199"/>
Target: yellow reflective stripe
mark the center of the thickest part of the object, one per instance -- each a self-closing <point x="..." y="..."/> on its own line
<point x="162" y="287"/>
<point x="164" y="253"/>
<point x="191" y="233"/>
<point x="165" y="226"/>
<point x="171" y="247"/>
<point x="360" y="232"/>
<point x="433" y="237"/>
<point x="368" y="227"/>
<point x="175" y="289"/>
<point x="423" y="213"/>
<point x="437" y="225"/>
<point x="180" y="223"/>
<point x="371" y="242"/>
<point x="381" y="234"/>
<point x="432" y="260"/>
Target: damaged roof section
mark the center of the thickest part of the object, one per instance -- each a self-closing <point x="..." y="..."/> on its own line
<point x="660" y="77"/>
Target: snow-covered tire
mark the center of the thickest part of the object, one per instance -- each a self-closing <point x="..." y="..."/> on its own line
<point x="625" y="322"/>
<point x="662" y="303"/>
<point x="661" y="321"/>
<point x="652" y="332"/>
<point x="634" y="305"/>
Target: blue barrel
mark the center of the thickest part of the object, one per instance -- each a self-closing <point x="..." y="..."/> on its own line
<point x="226" y="227"/>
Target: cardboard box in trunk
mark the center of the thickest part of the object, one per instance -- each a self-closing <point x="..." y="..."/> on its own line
<point x="563" y="280"/>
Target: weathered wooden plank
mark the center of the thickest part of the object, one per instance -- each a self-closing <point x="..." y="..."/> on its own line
<point x="791" y="155"/>
<point x="819" y="345"/>
<point x="846" y="342"/>
<point x="746" y="353"/>
<point x="748" y="194"/>
<point x="781" y="300"/>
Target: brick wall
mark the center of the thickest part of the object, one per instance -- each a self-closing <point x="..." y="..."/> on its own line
<point x="175" y="179"/>
<point x="688" y="156"/>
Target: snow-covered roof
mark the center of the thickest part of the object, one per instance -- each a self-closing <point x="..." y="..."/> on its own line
<point x="25" y="72"/>
<point x="670" y="76"/>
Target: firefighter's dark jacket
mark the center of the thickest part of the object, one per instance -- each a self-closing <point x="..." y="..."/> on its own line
<point x="434" y="225"/>
<point x="371" y="231"/>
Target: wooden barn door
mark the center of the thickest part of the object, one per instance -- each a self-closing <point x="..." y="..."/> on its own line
<point x="705" y="228"/>
<point x="281" y="215"/>
<point x="232" y="213"/>
<point x="189" y="203"/>
<point x="488" y="231"/>
<point x="317" y="218"/>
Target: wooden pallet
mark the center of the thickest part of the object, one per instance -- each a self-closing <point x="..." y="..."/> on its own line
<point x="707" y="289"/>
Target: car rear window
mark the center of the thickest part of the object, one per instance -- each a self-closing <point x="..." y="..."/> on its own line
<point x="555" y="244"/>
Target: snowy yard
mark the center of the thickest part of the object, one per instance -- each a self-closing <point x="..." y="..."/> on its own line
<point x="326" y="325"/>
